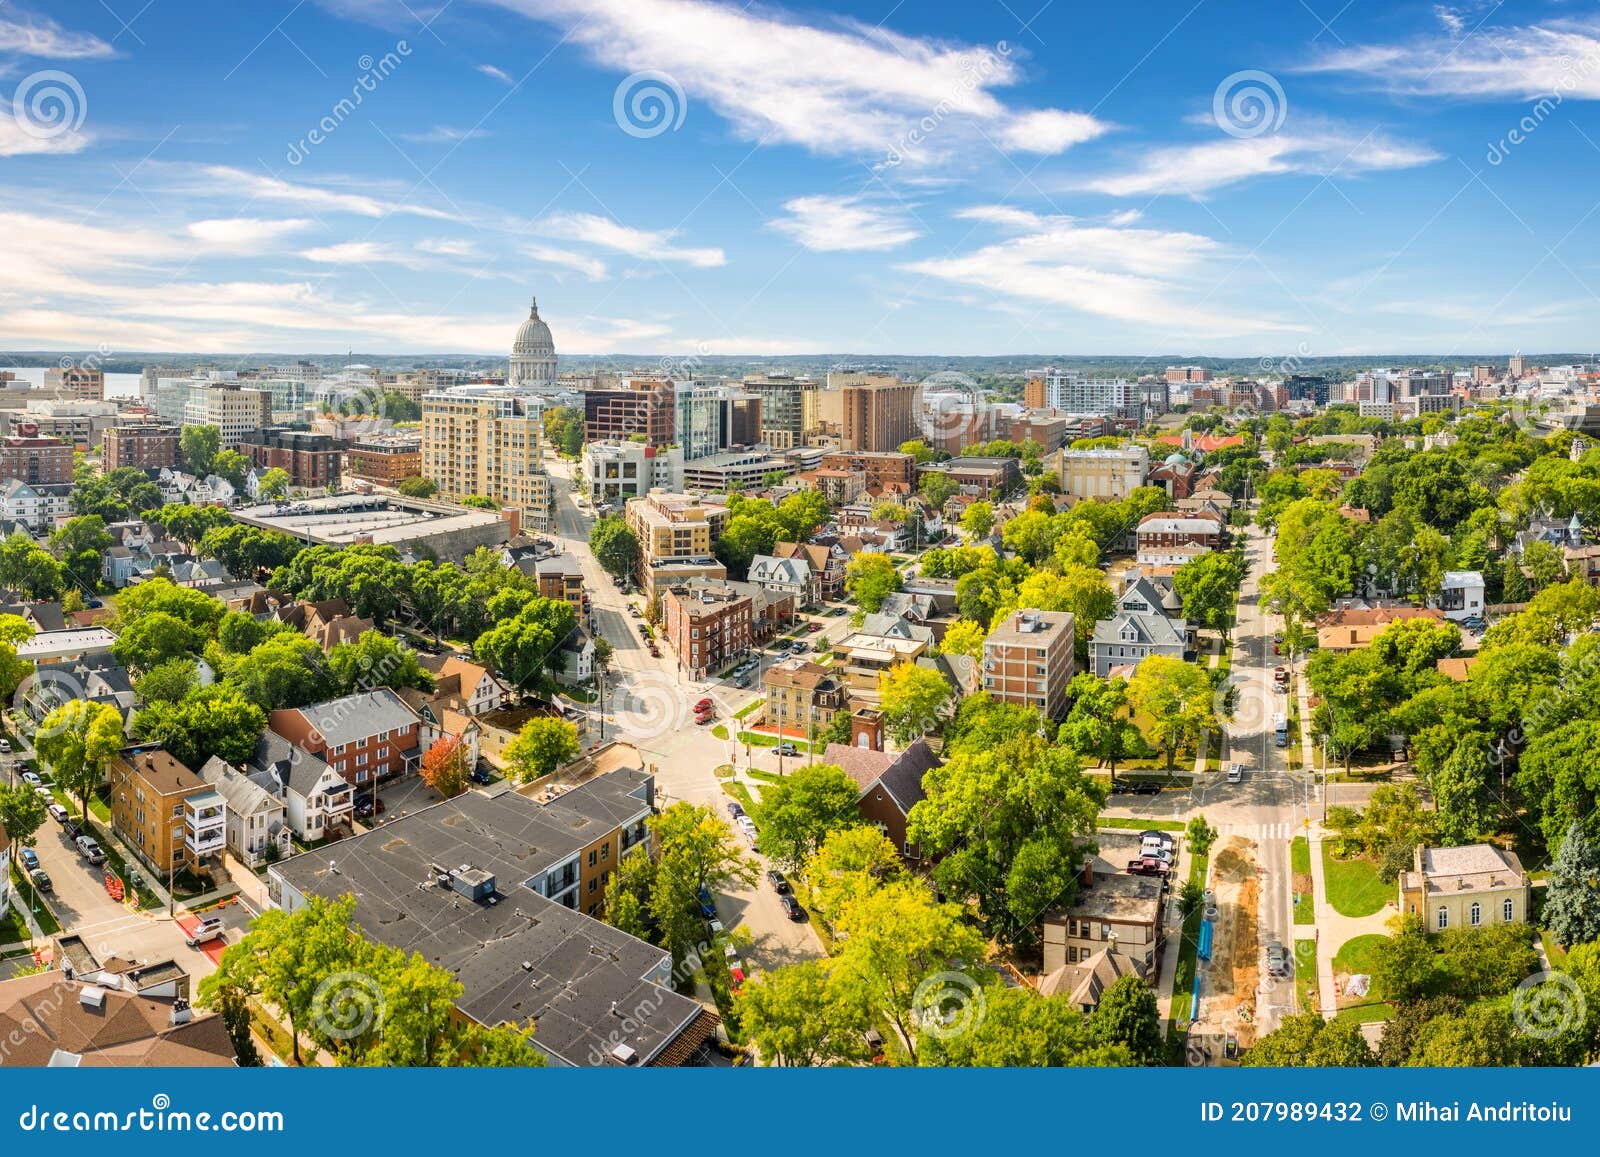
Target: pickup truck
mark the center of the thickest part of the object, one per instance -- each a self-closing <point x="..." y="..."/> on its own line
<point x="1148" y="866"/>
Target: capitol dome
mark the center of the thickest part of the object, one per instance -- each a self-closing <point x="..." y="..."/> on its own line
<point x="533" y="353"/>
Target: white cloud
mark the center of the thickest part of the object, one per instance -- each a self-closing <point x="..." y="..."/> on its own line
<point x="1559" y="57"/>
<point x="845" y="90"/>
<point x="591" y="267"/>
<point x="44" y="38"/>
<point x="360" y="253"/>
<point x="1144" y="276"/>
<point x="1200" y="168"/>
<point x="445" y="135"/>
<point x="244" y="234"/>
<point x="499" y="74"/>
<point x="224" y="180"/>
<point x="443" y="247"/>
<point x="850" y="224"/>
<point x="606" y="233"/>
<point x="15" y="142"/>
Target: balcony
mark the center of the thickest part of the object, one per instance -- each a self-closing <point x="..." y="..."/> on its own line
<point x="204" y="843"/>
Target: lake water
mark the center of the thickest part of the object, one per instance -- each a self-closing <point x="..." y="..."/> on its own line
<point x="117" y="385"/>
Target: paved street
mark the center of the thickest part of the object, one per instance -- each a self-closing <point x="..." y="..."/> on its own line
<point x="650" y="705"/>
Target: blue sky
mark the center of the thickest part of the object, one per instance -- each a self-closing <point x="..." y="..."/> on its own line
<point x="674" y="176"/>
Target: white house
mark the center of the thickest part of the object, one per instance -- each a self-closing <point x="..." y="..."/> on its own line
<point x="257" y="829"/>
<point x="1461" y="595"/>
<point x="315" y="797"/>
<point x="785" y="576"/>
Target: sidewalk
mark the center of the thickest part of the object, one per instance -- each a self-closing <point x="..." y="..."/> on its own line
<point x="1335" y="930"/>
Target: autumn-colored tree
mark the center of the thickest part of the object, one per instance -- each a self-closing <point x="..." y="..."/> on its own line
<point x="444" y="767"/>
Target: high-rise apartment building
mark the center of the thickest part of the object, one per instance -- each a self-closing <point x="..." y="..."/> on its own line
<point x="677" y="539"/>
<point x="487" y="440"/>
<point x="713" y="418"/>
<point x="229" y="407"/>
<point x="386" y="458"/>
<point x="148" y="446"/>
<point x="84" y="383"/>
<point x="1112" y="397"/>
<point x="636" y="406"/>
<point x="879" y="411"/>
<point x="29" y="458"/>
<point x="788" y="408"/>
<point x="1028" y="660"/>
<point x="312" y="461"/>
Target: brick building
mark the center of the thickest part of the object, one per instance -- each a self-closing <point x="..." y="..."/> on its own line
<point x="880" y="467"/>
<point x="37" y="461"/>
<point x="642" y="406"/>
<point x="171" y="817"/>
<point x="313" y="461"/>
<point x="152" y="446"/>
<point x="708" y="625"/>
<point x="1028" y="659"/>
<point x="83" y="383"/>
<point x="385" y="458"/>
<point x="368" y="736"/>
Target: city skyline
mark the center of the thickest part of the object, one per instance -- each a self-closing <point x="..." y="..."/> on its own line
<point x="672" y="177"/>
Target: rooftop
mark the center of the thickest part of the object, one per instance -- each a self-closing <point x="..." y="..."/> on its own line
<point x="346" y="518"/>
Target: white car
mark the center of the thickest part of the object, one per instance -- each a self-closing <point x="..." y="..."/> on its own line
<point x="208" y="929"/>
<point x="1235" y="772"/>
<point x="32" y="779"/>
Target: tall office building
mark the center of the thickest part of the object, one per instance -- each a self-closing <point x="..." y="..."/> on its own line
<point x="879" y="411"/>
<point x="640" y="406"/>
<point x="788" y="408"/>
<point x="1111" y="397"/>
<point x="712" y="418"/>
<point x="487" y="440"/>
<point x="83" y="383"/>
<point x="229" y="407"/>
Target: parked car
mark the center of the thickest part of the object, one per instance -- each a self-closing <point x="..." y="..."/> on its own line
<point x="1148" y="866"/>
<point x="1277" y="959"/>
<point x="89" y="848"/>
<point x="1151" y="852"/>
<point x="704" y="717"/>
<point x="41" y="879"/>
<point x="1160" y="839"/>
<point x="1121" y="787"/>
<point x="59" y="814"/>
<point x="708" y="907"/>
<point x="481" y="776"/>
<point x="44" y="794"/>
<point x="205" y="931"/>
<point x="742" y="682"/>
<point x="704" y="704"/>
<point x="735" y="808"/>
<point x="779" y="884"/>
<point x="799" y="647"/>
<point x="73" y="828"/>
<point x="5" y="747"/>
<point x="1235" y="773"/>
<point x="813" y="628"/>
<point x="31" y="778"/>
<point x="29" y="858"/>
<point x="633" y="611"/>
<point x="715" y="927"/>
<point x="786" y="749"/>
<point x="1145" y="787"/>
<point x="791" y="908"/>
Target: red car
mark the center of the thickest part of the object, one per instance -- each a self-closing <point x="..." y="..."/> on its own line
<point x="738" y="979"/>
<point x="813" y="628"/>
<point x="704" y="705"/>
<point x="704" y="717"/>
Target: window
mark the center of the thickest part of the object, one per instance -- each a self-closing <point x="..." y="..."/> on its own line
<point x="1444" y="918"/>
<point x="594" y="858"/>
<point x="1508" y="910"/>
<point x="361" y="759"/>
<point x="1475" y="914"/>
<point x="605" y="852"/>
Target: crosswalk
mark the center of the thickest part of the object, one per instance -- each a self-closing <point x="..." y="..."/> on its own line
<point x="1261" y="833"/>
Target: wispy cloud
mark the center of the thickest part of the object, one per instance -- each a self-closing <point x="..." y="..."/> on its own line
<point x="591" y="267"/>
<point x="27" y="35"/>
<point x="241" y="184"/>
<point x="605" y="233"/>
<point x="361" y="253"/>
<point x="16" y="141"/>
<point x="832" y="224"/>
<point x="494" y="73"/>
<point x="445" y="135"/>
<point x="1146" y="276"/>
<point x="842" y="90"/>
<point x="1198" y="169"/>
<point x="1561" y="56"/>
<point x="244" y="234"/>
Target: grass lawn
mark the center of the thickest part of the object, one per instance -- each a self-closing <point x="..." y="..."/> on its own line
<point x="1360" y="955"/>
<point x="12" y="929"/>
<point x="1353" y="885"/>
<point x="22" y="888"/>
<point x="719" y="731"/>
<point x="1305" y="911"/>
<point x="276" y="1037"/>
<point x="749" y="708"/>
<point x="1554" y="951"/>
<point x="1137" y="824"/>
<point x="1188" y="947"/>
<point x="760" y="739"/>
<point x="739" y="792"/>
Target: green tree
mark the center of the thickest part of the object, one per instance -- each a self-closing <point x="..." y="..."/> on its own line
<point x="1098" y="725"/>
<point x="78" y="740"/>
<point x="215" y="720"/>
<point x="167" y="682"/>
<point x="234" y="1008"/>
<point x="1482" y="1036"/>
<point x="1020" y="1029"/>
<point x="1177" y="698"/>
<point x="851" y="862"/>
<point x="417" y="487"/>
<point x="798" y="1016"/>
<point x="1405" y="967"/>
<point x="939" y="488"/>
<point x="615" y="547"/>
<point x="804" y="808"/>
<point x="1199" y="835"/>
<point x="274" y="482"/>
<point x="1572" y="896"/>
<point x="1308" y="1041"/>
<point x="285" y="670"/>
<point x="527" y="645"/>
<point x="28" y="569"/>
<point x="156" y="638"/>
<point x="542" y="745"/>
<point x="1127" y="1016"/>
<point x="869" y="578"/>
<point x="695" y="851"/>
<point x="22" y="814"/>
<point x="200" y="445"/>
<point x="81" y="544"/>
<point x="376" y="660"/>
<point x="231" y="466"/>
<point x="912" y="699"/>
<point x="1209" y="588"/>
<point x="978" y="520"/>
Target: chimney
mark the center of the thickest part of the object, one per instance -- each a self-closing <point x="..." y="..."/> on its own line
<point x="866" y="729"/>
<point x="180" y="1013"/>
<point x="1088" y="872"/>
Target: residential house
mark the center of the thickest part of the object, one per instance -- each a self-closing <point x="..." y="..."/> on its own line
<point x="1160" y="536"/>
<point x="365" y="737"/>
<point x="56" y="1022"/>
<point x="1465" y="887"/>
<point x="1461" y="595"/>
<point x="317" y="801"/>
<point x="827" y="562"/>
<point x="1354" y="629"/>
<point x="1138" y="628"/>
<point x="476" y="686"/>
<point x="801" y="697"/>
<point x="790" y="576"/>
<point x="1112" y="912"/>
<point x="560" y="577"/>
<point x="37" y="506"/>
<point x="257" y="828"/>
<point x="890" y="782"/>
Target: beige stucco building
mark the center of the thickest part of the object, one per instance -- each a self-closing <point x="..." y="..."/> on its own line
<point x="1465" y="887"/>
<point x="487" y="440"/>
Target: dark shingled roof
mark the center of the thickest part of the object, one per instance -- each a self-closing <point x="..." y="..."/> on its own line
<point x="900" y="773"/>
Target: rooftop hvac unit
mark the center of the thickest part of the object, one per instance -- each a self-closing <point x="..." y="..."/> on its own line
<point x="625" y="1053"/>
